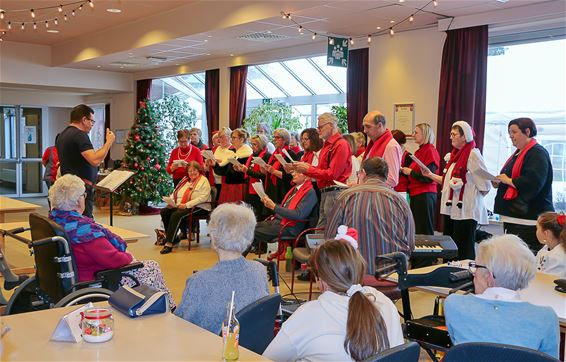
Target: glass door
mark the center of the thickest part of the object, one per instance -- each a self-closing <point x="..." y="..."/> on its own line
<point x="20" y="151"/>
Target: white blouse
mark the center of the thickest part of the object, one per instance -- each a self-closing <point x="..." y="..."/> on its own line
<point x="552" y="261"/>
<point x="222" y="154"/>
<point x="476" y="188"/>
<point x="201" y="194"/>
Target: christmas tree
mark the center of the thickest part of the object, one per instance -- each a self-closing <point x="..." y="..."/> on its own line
<point x="145" y="154"/>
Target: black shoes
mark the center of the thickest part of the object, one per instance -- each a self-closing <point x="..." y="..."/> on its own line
<point x="11" y="285"/>
<point x="166" y="250"/>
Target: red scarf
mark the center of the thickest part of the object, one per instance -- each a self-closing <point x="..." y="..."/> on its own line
<point x="511" y="192"/>
<point x="307" y="185"/>
<point x="276" y="165"/>
<point x="360" y="150"/>
<point x="255" y="168"/>
<point x="295" y="149"/>
<point x="377" y="148"/>
<point x="308" y="157"/>
<point x="459" y="157"/>
<point x="188" y="192"/>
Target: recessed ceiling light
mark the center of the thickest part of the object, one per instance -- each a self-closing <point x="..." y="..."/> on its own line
<point x="231" y="54"/>
<point x="114" y="10"/>
<point x="391" y="21"/>
<point x="209" y="36"/>
<point x="177" y="64"/>
<point x="207" y="53"/>
<point x="54" y="31"/>
<point x="205" y="40"/>
<point x="98" y="66"/>
<point x="379" y="28"/>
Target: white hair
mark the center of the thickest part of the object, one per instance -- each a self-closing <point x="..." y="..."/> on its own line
<point x="509" y="259"/>
<point x="283" y="133"/>
<point x="232" y="227"/>
<point x="66" y="192"/>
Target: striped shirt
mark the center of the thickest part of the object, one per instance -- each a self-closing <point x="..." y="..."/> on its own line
<point x="381" y="216"/>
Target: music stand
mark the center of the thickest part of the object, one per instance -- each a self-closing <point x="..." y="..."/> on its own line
<point x="111" y="183"/>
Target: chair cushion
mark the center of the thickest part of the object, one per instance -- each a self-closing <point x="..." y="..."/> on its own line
<point x="389" y="288"/>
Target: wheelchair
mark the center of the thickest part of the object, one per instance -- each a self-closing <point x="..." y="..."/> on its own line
<point x="55" y="283"/>
<point x="430" y="331"/>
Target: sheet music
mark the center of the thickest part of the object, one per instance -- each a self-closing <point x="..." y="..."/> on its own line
<point x="169" y="201"/>
<point x="260" y="162"/>
<point x="341" y="184"/>
<point x="180" y="163"/>
<point x="288" y="155"/>
<point x="258" y="187"/>
<point x="234" y="161"/>
<point x="208" y="155"/>
<point x="281" y="159"/>
<point x="115" y="179"/>
<point x="484" y="174"/>
<point x="418" y="162"/>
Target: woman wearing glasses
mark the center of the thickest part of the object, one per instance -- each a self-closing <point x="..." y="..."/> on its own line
<point x="463" y="190"/>
<point x="96" y="248"/>
<point x="504" y="265"/>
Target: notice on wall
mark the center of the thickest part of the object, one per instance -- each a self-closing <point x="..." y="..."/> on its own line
<point x="30" y="134"/>
<point x="404" y="117"/>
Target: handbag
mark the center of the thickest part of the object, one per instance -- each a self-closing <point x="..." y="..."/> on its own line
<point x="138" y="301"/>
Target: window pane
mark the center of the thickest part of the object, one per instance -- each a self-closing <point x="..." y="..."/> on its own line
<point x="284" y="79"/>
<point x="264" y="85"/>
<point x="337" y="74"/>
<point x="196" y="84"/>
<point x="538" y="93"/>
<point x="251" y="93"/>
<point x="305" y="115"/>
<point x="311" y="76"/>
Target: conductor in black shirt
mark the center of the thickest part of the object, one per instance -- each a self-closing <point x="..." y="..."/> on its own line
<point x="76" y="153"/>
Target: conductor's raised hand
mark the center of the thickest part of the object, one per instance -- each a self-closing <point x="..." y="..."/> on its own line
<point x="110" y="136"/>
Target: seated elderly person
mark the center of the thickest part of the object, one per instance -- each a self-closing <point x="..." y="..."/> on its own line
<point x="193" y="191"/>
<point x="96" y="248"/>
<point x="504" y="265"/>
<point x="207" y="292"/>
<point x="298" y="204"/>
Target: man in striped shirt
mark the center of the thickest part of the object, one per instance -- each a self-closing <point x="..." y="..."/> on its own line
<point x="381" y="216"/>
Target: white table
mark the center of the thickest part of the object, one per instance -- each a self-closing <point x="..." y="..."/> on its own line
<point x="161" y="337"/>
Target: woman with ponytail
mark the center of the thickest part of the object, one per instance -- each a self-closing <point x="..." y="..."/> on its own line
<point x="347" y="321"/>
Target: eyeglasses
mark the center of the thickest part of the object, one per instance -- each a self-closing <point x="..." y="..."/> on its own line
<point x="454" y="135"/>
<point x="322" y="126"/>
<point x="277" y="137"/>
<point x="473" y="267"/>
<point x="85" y="195"/>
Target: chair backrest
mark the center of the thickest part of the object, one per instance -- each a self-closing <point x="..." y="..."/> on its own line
<point x="407" y="352"/>
<point x="257" y="323"/>
<point x="56" y="272"/>
<point x="494" y="352"/>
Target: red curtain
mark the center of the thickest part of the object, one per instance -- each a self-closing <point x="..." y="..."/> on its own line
<point x="238" y="98"/>
<point x="463" y="79"/>
<point x="462" y="96"/>
<point x="143" y="91"/>
<point x="357" y="88"/>
<point x="212" y="101"/>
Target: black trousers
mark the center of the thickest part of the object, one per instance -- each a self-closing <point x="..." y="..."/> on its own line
<point x="527" y="233"/>
<point x="464" y="234"/>
<point x="423" y="209"/>
<point x="89" y="201"/>
<point x="171" y="218"/>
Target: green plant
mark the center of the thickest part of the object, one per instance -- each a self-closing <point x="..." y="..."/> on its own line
<point x="341" y="112"/>
<point x="275" y="114"/>
<point x="172" y="114"/>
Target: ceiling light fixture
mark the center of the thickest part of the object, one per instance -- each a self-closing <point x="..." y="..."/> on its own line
<point x="10" y="25"/>
<point x="46" y="24"/>
<point x="314" y="36"/>
<point x="34" y="25"/>
<point x="369" y="38"/>
<point x="351" y="41"/>
<point x="65" y="17"/>
<point x="56" y="21"/>
<point x="90" y="3"/>
<point x="73" y="13"/>
<point x="114" y="11"/>
<point x="391" y="32"/>
<point x="331" y="41"/>
<point x="435" y="3"/>
<point x="411" y="18"/>
<point x="60" y="8"/>
<point x="53" y="31"/>
<point x="23" y="26"/>
<point x="32" y="14"/>
<point x="2" y="14"/>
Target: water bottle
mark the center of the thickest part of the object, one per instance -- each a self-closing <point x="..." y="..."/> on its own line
<point x="231" y="334"/>
<point x="288" y="259"/>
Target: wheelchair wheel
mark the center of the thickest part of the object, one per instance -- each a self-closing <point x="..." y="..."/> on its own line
<point x="26" y="299"/>
<point x="84" y="296"/>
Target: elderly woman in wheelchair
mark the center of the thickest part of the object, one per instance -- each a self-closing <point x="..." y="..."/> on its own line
<point x="96" y="248"/>
<point x="503" y="266"/>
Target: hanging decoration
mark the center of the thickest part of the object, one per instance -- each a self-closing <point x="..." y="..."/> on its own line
<point x="40" y="15"/>
<point x="338" y="41"/>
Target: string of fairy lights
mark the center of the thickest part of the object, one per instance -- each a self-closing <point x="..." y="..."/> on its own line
<point x="13" y="19"/>
<point x="380" y="30"/>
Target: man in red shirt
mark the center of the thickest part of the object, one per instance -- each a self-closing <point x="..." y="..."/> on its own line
<point x="335" y="163"/>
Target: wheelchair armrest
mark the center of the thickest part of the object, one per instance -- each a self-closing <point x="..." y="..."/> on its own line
<point x="110" y="278"/>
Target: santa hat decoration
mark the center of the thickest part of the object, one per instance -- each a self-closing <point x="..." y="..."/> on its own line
<point x="468" y="133"/>
<point x="348" y="234"/>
